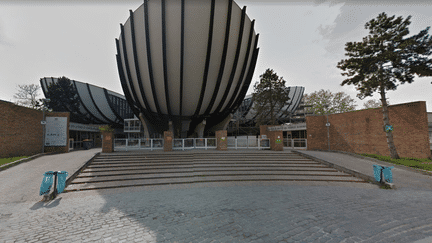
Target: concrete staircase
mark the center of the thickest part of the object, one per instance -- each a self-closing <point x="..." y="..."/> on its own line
<point x="128" y="169"/>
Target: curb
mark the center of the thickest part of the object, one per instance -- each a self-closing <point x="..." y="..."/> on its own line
<point x="8" y="165"/>
<point x="355" y="173"/>
<point x="75" y="174"/>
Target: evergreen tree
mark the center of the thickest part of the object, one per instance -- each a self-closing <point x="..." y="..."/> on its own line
<point x="384" y="57"/>
<point x="269" y="97"/>
<point x="63" y="95"/>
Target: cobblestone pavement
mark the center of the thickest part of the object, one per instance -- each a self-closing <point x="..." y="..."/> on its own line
<point x="224" y="212"/>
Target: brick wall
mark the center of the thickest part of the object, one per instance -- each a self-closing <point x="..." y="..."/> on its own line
<point x="276" y="137"/>
<point x="20" y="130"/>
<point x="362" y="131"/>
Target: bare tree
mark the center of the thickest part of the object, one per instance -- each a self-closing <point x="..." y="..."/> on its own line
<point x="373" y="104"/>
<point x="325" y="102"/>
<point x="27" y="96"/>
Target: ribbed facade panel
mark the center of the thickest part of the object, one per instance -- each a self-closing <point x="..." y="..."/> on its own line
<point x="242" y="55"/>
<point x="194" y="59"/>
<point x="96" y="106"/>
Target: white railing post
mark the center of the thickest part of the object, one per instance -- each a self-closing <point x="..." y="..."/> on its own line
<point x="183" y="144"/>
<point x="205" y="143"/>
<point x="151" y="144"/>
<point x="236" y="143"/>
<point x="292" y="143"/>
<point x="259" y="148"/>
<point x="139" y="143"/>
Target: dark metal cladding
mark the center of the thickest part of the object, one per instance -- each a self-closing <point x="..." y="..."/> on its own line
<point x="165" y="71"/>
<point x="182" y="57"/>
<point x="112" y="107"/>
<point x="207" y="63"/>
<point x="138" y="73"/>
<point x="107" y="120"/>
<point x="298" y="100"/>
<point x="149" y="59"/>
<point x="224" y="54"/>
<point x="85" y="107"/>
<point x="236" y="58"/>
<point x="248" y="50"/>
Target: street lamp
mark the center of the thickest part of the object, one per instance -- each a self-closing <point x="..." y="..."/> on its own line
<point x="44" y="123"/>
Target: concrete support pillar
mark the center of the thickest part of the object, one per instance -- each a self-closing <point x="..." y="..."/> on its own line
<point x="171" y="127"/>
<point x="200" y="129"/>
<point x="222" y="125"/>
<point x="185" y="128"/>
<point x="168" y="141"/>
<point x="144" y="122"/>
<point x="221" y="140"/>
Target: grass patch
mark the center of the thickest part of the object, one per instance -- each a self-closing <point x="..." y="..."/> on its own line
<point x="425" y="164"/>
<point x="9" y="160"/>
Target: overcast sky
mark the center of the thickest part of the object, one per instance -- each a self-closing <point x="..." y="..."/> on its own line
<point x="301" y="40"/>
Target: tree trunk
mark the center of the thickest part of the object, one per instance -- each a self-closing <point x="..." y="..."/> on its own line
<point x="271" y="104"/>
<point x="392" y="148"/>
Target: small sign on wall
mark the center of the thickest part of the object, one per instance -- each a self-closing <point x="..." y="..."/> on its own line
<point x="55" y="132"/>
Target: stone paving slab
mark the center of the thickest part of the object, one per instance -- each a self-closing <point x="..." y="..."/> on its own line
<point x="293" y="211"/>
<point x="22" y="182"/>
<point x="225" y="212"/>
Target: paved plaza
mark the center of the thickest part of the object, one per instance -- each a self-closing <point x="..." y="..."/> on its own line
<point x="221" y="212"/>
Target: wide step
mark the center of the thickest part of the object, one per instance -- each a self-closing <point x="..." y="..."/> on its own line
<point x="149" y="169"/>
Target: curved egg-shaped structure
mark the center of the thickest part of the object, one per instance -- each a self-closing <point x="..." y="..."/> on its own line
<point x="186" y="61"/>
<point x="97" y="105"/>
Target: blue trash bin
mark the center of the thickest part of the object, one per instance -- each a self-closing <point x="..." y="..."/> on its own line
<point x="377" y="172"/>
<point x="46" y="183"/>
<point x="61" y="175"/>
<point x="388" y="177"/>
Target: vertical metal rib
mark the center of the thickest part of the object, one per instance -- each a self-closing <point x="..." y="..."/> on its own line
<point x="149" y="59"/>
<point x="137" y="68"/>
<point x="207" y="64"/>
<point x="96" y="106"/>
<point x="291" y="102"/>
<point x="165" y="71"/>
<point x="299" y="99"/>
<point x="243" y="69"/>
<point x="112" y="107"/>
<point x="236" y="58"/>
<point x="224" y="54"/>
<point x="130" y="96"/>
<point x="248" y="76"/>
<point x="128" y="72"/>
<point x="182" y="56"/>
